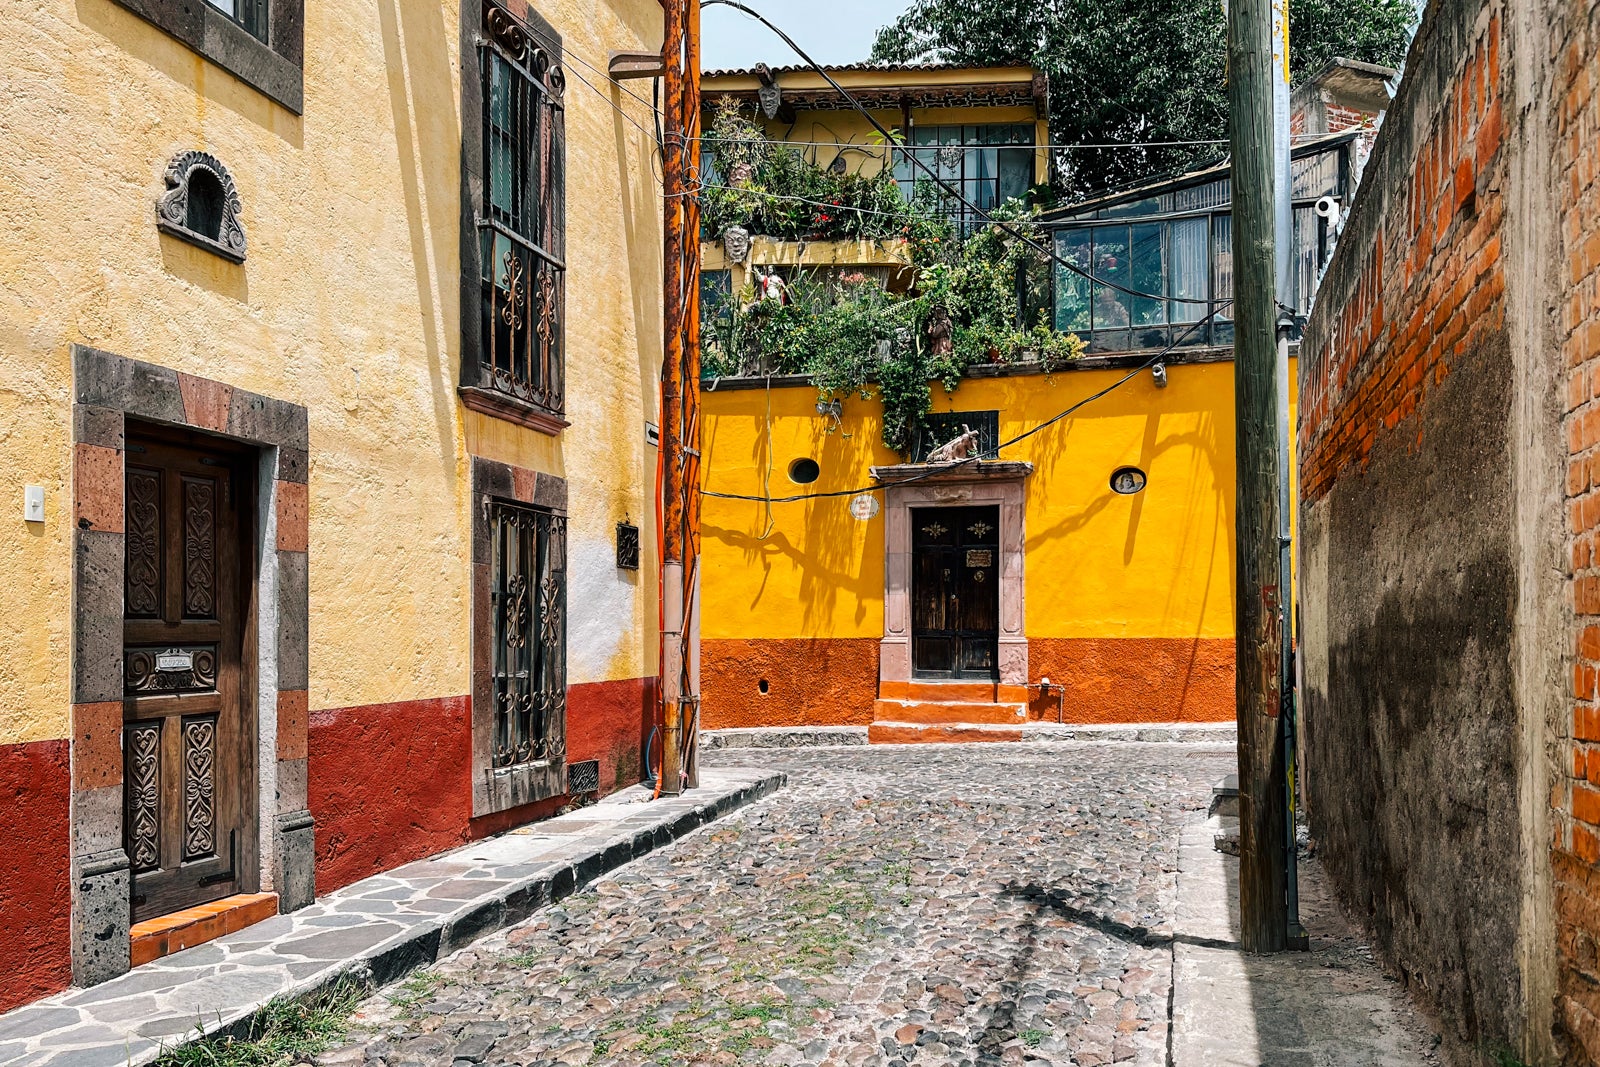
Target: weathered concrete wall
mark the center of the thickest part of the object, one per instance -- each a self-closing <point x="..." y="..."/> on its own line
<point x="1430" y="515"/>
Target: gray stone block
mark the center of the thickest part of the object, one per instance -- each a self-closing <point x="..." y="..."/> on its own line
<point x="293" y="611"/>
<point x="100" y="922"/>
<point x="297" y="860"/>
<point x="97" y="617"/>
<point x="144" y="390"/>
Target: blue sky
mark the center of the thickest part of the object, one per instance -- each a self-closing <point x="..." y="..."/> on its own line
<point x="833" y="31"/>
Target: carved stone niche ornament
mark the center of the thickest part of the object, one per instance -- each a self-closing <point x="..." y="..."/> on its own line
<point x="201" y="205"/>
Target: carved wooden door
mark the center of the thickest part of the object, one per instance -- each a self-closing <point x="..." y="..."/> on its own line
<point x="189" y="774"/>
<point x="955" y="591"/>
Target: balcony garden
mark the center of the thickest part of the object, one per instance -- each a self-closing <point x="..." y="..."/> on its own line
<point x="979" y="299"/>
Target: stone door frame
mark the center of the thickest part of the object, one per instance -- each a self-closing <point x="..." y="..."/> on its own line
<point x="107" y="391"/>
<point x="912" y="485"/>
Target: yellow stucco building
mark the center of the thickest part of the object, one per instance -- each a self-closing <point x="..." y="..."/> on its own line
<point x="1080" y="568"/>
<point x="332" y="334"/>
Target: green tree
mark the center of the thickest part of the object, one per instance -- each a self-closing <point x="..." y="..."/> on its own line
<point x="1124" y="71"/>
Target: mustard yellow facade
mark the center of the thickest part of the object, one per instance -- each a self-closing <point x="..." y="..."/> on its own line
<point x="345" y="314"/>
<point x="1128" y="598"/>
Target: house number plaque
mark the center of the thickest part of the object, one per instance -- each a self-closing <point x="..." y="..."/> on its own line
<point x="979" y="557"/>
<point x="174" y="660"/>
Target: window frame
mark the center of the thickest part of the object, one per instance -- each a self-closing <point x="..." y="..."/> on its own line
<point x="513" y="270"/>
<point x="498" y="783"/>
<point x="911" y="177"/>
<point x="272" y="63"/>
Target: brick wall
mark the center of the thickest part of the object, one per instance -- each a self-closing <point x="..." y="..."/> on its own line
<point x="1429" y="285"/>
<point x="1576" y="799"/>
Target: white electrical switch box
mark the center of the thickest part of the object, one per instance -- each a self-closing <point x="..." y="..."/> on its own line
<point x="33" y="503"/>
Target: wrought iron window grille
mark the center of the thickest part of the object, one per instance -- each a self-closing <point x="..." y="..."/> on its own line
<point x="943" y="427"/>
<point x="528" y="603"/>
<point x="522" y="276"/>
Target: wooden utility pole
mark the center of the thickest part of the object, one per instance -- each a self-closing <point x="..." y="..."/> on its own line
<point x="680" y="400"/>
<point x="673" y="495"/>
<point x="1263" y="914"/>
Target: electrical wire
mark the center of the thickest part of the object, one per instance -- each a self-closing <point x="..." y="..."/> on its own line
<point x="949" y="190"/>
<point x="614" y="106"/>
<point x="992" y="453"/>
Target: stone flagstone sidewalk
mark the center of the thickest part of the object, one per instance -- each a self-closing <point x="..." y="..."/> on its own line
<point x="378" y="928"/>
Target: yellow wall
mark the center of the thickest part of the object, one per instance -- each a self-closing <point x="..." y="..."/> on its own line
<point x="347" y="304"/>
<point x="1155" y="564"/>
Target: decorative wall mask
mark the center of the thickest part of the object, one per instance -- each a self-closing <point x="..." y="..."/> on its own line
<point x="736" y="243"/>
<point x="201" y="205"/>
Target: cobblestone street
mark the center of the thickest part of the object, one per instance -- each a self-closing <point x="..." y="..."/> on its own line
<point x="932" y="905"/>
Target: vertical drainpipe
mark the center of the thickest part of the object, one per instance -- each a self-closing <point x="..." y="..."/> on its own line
<point x="671" y="661"/>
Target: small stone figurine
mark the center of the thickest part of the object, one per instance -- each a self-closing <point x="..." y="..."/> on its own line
<point x="958" y="449"/>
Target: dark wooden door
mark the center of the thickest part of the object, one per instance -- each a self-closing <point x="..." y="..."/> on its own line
<point x="188" y="722"/>
<point x="955" y="591"/>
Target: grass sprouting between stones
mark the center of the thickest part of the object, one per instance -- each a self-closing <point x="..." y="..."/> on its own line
<point x="283" y="1032"/>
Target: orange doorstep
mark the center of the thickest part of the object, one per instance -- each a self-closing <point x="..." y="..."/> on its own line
<point x="949" y="712"/>
<point x="166" y="934"/>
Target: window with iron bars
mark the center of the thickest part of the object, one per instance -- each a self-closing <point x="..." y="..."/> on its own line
<point x="520" y="328"/>
<point x="941" y="428"/>
<point x="528" y="601"/>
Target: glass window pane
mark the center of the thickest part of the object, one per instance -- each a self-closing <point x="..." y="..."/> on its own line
<point x="1072" y="290"/>
<point x="1222" y="263"/>
<point x="1148" y="275"/>
<point x="1110" y="259"/>
<point x="1187" y="273"/>
<point x="1016" y="173"/>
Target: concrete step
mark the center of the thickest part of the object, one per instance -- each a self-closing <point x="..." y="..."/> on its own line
<point x="949" y="712"/>
<point x="946" y="692"/>
<point x="1225" y="797"/>
<point x="916" y="733"/>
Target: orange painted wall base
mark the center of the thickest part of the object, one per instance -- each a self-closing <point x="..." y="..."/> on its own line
<point x="1134" y="679"/>
<point x="788" y="682"/>
<point x="834" y="681"/>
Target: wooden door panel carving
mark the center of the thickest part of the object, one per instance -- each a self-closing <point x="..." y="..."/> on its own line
<point x="955" y="591"/>
<point x="188" y="718"/>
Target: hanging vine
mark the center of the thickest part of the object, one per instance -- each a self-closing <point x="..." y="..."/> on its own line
<point x="984" y="299"/>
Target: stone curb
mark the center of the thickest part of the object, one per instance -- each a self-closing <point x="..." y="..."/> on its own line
<point x="828" y="736"/>
<point x="1198" y="733"/>
<point x="422" y="942"/>
<point x="784" y="737"/>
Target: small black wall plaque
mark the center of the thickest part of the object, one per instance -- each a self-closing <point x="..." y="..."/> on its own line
<point x="627" y="546"/>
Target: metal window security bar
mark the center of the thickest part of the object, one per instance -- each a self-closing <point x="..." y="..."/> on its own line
<point x="945" y="426"/>
<point x="529" y="607"/>
<point x="251" y="14"/>
<point x="520" y="229"/>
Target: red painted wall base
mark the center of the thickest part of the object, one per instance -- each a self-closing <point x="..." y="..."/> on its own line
<point x="391" y="783"/>
<point x="35" y="876"/>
